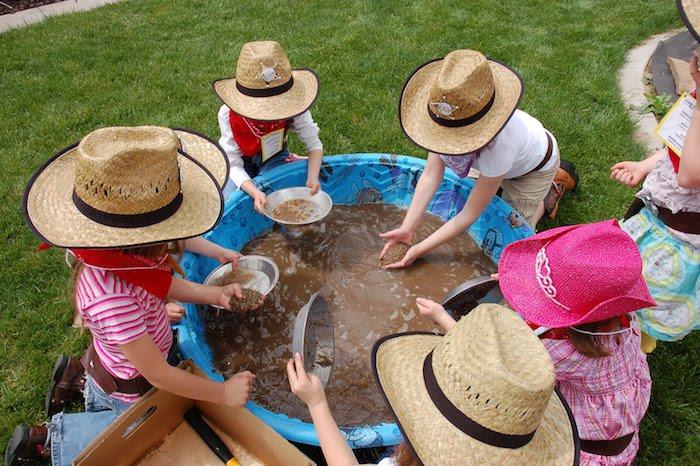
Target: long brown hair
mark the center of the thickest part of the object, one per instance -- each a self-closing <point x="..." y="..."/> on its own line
<point x="592" y="346"/>
<point x="404" y="455"/>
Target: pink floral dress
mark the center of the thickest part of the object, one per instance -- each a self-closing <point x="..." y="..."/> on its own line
<point x="608" y="396"/>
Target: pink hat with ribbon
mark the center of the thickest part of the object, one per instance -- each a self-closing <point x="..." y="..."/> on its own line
<point x="574" y="275"/>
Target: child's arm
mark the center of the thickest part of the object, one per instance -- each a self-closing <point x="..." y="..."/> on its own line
<point x="484" y="190"/>
<point x="307" y="130"/>
<point x="428" y="184"/>
<point x="436" y="313"/>
<point x="208" y="248"/>
<point x="310" y="390"/>
<point x="237" y="175"/>
<point x="313" y="169"/>
<point x="186" y="291"/>
<point x="632" y="173"/>
<point x="689" y="170"/>
<point x="148" y="359"/>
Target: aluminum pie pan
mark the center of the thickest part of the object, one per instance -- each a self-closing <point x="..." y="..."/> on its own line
<point x="259" y="273"/>
<point x="462" y="299"/>
<point x="313" y="337"/>
<point x="321" y="199"/>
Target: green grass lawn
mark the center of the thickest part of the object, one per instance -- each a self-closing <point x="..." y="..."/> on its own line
<point x="152" y="62"/>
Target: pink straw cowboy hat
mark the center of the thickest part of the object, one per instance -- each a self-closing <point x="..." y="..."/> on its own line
<point x="574" y="275"/>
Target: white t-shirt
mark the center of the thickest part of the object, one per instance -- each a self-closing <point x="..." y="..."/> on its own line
<point x="517" y="149"/>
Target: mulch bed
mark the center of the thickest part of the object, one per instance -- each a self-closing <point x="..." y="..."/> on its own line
<point x="13" y="6"/>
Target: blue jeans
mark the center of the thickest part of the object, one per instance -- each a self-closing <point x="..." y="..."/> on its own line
<point x="254" y="166"/>
<point x="71" y="433"/>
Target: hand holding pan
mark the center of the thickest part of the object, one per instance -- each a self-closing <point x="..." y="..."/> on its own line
<point x="461" y="300"/>
<point x="313" y="335"/>
<point x="465" y="297"/>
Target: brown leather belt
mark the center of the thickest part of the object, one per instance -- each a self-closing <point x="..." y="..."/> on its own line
<point x="685" y="222"/>
<point x="607" y="447"/>
<point x="547" y="155"/>
<point x="109" y="383"/>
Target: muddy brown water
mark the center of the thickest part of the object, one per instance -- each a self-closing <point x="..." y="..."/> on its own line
<point x="341" y="251"/>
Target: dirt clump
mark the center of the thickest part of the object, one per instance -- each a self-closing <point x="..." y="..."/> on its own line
<point x="250" y="301"/>
<point x="394" y="254"/>
<point x="295" y="210"/>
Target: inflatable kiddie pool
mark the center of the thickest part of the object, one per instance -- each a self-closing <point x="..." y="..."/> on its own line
<point x="349" y="179"/>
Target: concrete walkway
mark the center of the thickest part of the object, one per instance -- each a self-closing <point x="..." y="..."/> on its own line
<point x="631" y="81"/>
<point x="35" y="15"/>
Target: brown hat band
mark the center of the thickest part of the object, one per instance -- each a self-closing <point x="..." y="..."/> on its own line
<point x="267" y="92"/>
<point x="461" y="421"/>
<point x="464" y="121"/>
<point x="128" y="220"/>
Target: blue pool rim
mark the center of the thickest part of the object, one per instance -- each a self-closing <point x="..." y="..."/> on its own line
<point x="349" y="179"/>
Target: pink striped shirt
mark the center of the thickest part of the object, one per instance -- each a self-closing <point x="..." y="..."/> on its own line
<point x="118" y="312"/>
<point x="608" y="396"/>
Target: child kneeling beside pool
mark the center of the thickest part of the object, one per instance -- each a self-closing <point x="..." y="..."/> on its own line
<point x="585" y="282"/>
<point x="482" y="394"/>
<point x="116" y="200"/>
<point x="261" y="104"/>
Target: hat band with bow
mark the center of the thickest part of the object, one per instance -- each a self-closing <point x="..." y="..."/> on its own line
<point x="266" y="92"/>
<point x="463" y="121"/>
<point x="463" y="422"/>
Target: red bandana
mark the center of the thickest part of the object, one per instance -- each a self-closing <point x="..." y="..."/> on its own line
<point x="155" y="279"/>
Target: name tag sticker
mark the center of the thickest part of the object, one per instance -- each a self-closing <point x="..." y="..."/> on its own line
<point x="673" y="128"/>
<point x="271" y="143"/>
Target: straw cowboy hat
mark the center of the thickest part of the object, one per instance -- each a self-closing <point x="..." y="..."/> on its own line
<point x="574" y="275"/>
<point x="265" y="87"/>
<point x="205" y="151"/>
<point x="690" y="14"/>
<point x="122" y="187"/>
<point x="482" y="394"/>
<point x="458" y="104"/>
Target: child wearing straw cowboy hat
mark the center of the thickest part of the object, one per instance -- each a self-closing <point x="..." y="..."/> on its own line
<point x="664" y="221"/>
<point x="463" y="110"/>
<point x="67" y="382"/>
<point x="261" y="104"/>
<point x="115" y="200"/>
<point x="582" y="281"/>
<point x="483" y="394"/>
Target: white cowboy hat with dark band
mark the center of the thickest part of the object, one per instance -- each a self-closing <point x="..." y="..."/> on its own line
<point x="690" y="14"/>
<point x="265" y="87"/>
<point x="458" y="104"/>
<point x="482" y="394"/>
<point x="126" y="186"/>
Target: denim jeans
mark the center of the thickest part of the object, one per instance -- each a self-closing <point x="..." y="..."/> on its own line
<point x="254" y="165"/>
<point x="72" y="432"/>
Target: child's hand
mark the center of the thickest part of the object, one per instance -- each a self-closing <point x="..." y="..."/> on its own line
<point x="694" y="72"/>
<point x="227" y="292"/>
<point x="628" y="173"/>
<point x="259" y="201"/>
<point x="237" y="389"/>
<point x="430" y="309"/>
<point x="313" y="184"/>
<point x="307" y="387"/>
<point x="229" y="255"/>
<point x="175" y="312"/>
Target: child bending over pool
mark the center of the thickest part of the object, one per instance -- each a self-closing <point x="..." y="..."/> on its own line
<point x="583" y="282"/>
<point x="482" y="394"/>
<point x="115" y="201"/>
<point x="463" y="109"/>
<point x="261" y="104"/>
